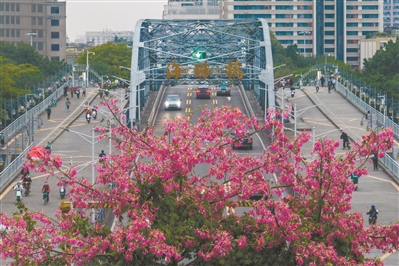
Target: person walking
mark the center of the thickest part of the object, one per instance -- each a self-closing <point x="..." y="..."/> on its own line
<point x="345" y="140"/>
<point x="72" y="91"/>
<point x="84" y="91"/>
<point x="322" y="81"/>
<point x="65" y="90"/>
<point x="67" y="104"/>
<point x="77" y="92"/>
<point x="367" y="115"/>
<point x="375" y="161"/>
<point x="48" y="111"/>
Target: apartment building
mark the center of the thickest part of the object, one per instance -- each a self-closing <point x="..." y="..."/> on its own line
<point x="41" y="23"/>
<point x="391" y="13"/>
<point x="104" y="36"/>
<point x="318" y="27"/>
<point x="369" y="47"/>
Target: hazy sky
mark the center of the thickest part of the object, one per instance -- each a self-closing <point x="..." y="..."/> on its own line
<point x="117" y="15"/>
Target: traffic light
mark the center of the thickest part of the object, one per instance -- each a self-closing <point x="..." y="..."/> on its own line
<point x="200" y="55"/>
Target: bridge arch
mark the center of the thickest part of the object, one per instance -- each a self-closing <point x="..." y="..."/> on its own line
<point x="159" y="42"/>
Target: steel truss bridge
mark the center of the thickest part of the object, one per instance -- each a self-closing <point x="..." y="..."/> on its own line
<point x="159" y="42"/>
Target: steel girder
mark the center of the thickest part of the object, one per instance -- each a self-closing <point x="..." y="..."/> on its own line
<point x="159" y="42"/>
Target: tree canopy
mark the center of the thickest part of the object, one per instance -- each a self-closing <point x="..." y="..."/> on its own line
<point x="167" y="212"/>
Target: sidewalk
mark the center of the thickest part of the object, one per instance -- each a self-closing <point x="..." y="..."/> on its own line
<point x="378" y="187"/>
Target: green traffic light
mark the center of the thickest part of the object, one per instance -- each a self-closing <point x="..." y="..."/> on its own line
<point x="198" y="55"/>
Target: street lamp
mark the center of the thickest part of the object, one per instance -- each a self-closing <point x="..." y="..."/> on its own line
<point x="304" y="32"/>
<point x="87" y="66"/>
<point x="31" y="34"/>
<point x="296" y="114"/>
<point x="383" y="106"/>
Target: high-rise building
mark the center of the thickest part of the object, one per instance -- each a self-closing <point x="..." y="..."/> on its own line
<point x="391" y="13"/>
<point x="104" y="36"/>
<point x="42" y="23"/>
<point x="318" y="27"/>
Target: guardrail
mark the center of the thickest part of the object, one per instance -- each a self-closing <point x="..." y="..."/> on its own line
<point x="150" y="121"/>
<point x="9" y="172"/>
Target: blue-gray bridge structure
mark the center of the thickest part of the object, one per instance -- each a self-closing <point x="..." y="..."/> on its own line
<point x="159" y="42"/>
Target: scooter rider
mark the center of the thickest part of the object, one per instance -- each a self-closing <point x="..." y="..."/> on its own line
<point x="373" y="212"/>
<point x="27" y="181"/>
<point x="18" y="187"/>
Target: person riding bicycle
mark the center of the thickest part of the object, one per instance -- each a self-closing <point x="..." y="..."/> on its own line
<point x="373" y="212"/>
<point x="46" y="188"/>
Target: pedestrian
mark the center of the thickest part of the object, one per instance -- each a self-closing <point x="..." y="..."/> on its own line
<point x="67" y="104"/>
<point x="345" y="140"/>
<point x="322" y="81"/>
<point x="367" y="115"/>
<point x="77" y="92"/>
<point x="48" y="111"/>
<point x="65" y="90"/>
<point x="84" y="91"/>
<point x="375" y="161"/>
<point x="72" y="90"/>
<point x="101" y="93"/>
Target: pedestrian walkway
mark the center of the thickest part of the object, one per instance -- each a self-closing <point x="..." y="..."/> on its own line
<point x="378" y="187"/>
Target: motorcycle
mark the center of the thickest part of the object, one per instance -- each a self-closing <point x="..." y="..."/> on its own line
<point x="62" y="192"/>
<point x="94" y="114"/>
<point x="45" y="197"/>
<point x="18" y="195"/>
<point x="88" y="117"/>
<point x="27" y="188"/>
<point x="292" y="93"/>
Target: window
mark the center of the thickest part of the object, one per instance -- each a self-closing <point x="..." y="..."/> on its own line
<point x="7" y="7"/>
<point x="12" y="32"/>
<point x="329" y="7"/>
<point x="351" y="24"/>
<point x="55" y="10"/>
<point x="40" y="8"/>
<point x="352" y="58"/>
<point x="1" y="32"/>
<point x="304" y="16"/>
<point x="284" y="16"/>
<point x="40" y="46"/>
<point x="304" y="24"/>
<point x="55" y="22"/>
<point x="284" y="7"/>
<point x="352" y="33"/>
<point x="369" y="7"/>
<point x="330" y="50"/>
<point x="17" y="7"/>
<point x="12" y="19"/>
<point x="370" y="24"/>
<point x="351" y="16"/>
<point x="33" y="8"/>
<point x="307" y="42"/>
<point x="40" y="33"/>
<point x="329" y="41"/>
<point x="39" y="20"/>
<point x="55" y="35"/>
<point x="284" y="33"/>
<point x="1" y="19"/>
<point x="240" y="7"/>
<point x="2" y="9"/>
<point x="304" y="7"/>
<point x="284" y="24"/>
<point x="18" y="33"/>
<point x="352" y="41"/>
<point x="7" y="20"/>
<point x="352" y="50"/>
<point x="329" y="24"/>
<point x="286" y="41"/>
<point x="17" y="20"/>
<point x="12" y="7"/>
<point x="33" y="21"/>
<point x="55" y="47"/>
<point x="7" y="32"/>
<point x="329" y="15"/>
<point x="368" y="32"/>
<point x="352" y="7"/>
<point x="370" y="16"/>
<point x="330" y="33"/>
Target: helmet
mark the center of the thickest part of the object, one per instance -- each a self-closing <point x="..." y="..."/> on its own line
<point x="372" y="206"/>
<point x="102" y="151"/>
<point x="45" y="182"/>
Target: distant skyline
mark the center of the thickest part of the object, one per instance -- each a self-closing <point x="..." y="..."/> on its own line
<point x="115" y="15"/>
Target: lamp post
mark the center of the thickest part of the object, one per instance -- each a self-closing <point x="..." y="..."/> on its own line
<point x="31" y="125"/>
<point x="383" y="106"/>
<point x="31" y="34"/>
<point x="296" y="114"/>
<point x="87" y="66"/>
<point x="304" y="32"/>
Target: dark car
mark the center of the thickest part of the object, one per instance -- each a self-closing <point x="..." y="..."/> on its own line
<point x="244" y="143"/>
<point x="223" y="89"/>
<point x="203" y="92"/>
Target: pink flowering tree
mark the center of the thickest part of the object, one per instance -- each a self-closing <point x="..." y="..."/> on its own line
<point x="166" y="212"/>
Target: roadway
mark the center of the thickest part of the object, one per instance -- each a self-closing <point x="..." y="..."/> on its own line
<point x="377" y="188"/>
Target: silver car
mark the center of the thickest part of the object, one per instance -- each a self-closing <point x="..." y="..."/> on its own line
<point x="173" y="102"/>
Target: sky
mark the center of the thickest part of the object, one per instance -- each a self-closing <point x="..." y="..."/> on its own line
<point x="116" y="15"/>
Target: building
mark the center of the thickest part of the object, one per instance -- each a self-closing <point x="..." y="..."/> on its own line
<point x="189" y="9"/>
<point x="368" y="47"/>
<point x="391" y="13"/>
<point x="318" y="27"/>
<point x="42" y="23"/>
<point x="104" y="36"/>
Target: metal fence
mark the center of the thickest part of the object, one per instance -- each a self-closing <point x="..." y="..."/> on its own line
<point x="13" y="167"/>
